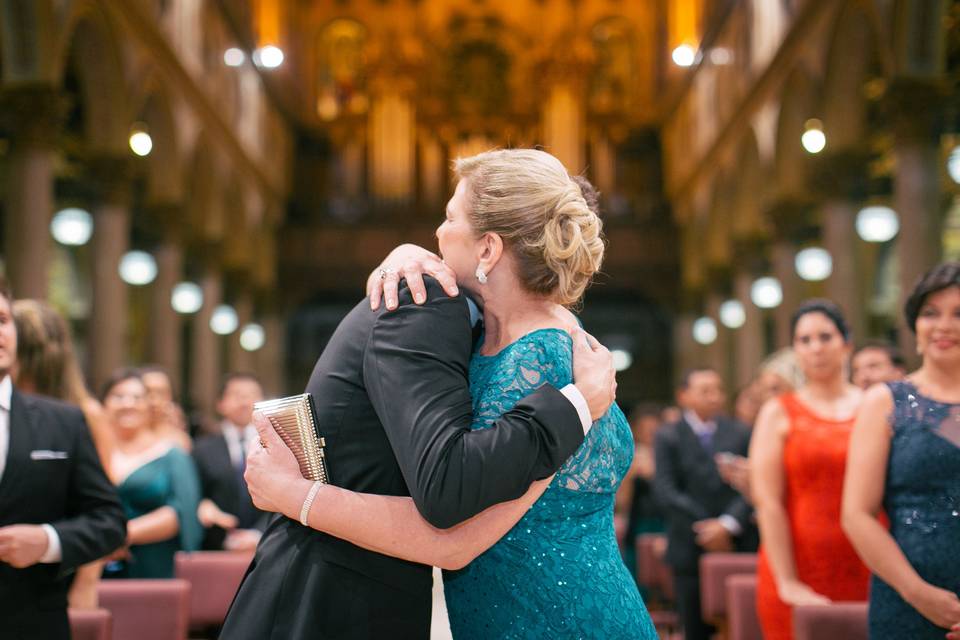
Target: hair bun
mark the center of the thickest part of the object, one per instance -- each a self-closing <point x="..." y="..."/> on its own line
<point x="590" y="194"/>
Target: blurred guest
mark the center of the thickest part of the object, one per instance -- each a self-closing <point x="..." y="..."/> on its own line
<point x="747" y="405"/>
<point x="905" y="459"/>
<point x="46" y="364"/>
<point x="226" y="510"/>
<point x="58" y="510"/>
<point x="797" y="458"/>
<point x="779" y="374"/>
<point x="158" y="484"/>
<point x="671" y="414"/>
<point x="166" y="416"/>
<point x="703" y="513"/>
<point x="635" y="497"/>
<point x="876" y="362"/>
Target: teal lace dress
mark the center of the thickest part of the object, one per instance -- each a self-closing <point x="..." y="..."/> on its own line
<point x="558" y="573"/>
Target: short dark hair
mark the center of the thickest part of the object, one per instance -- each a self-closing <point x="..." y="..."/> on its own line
<point x="119" y="375"/>
<point x="942" y="276"/>
<point x="237" y="375"/>
<point x="880" y="345"/>
<point x="825" y="307"/>
<point x="689" y="373"/>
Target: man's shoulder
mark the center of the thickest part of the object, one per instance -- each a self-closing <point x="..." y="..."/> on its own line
<point x="208" y="443"/>
<point x="50" y="406"/>
<point x="670" y="432"/>
<point x="435" y="294"/>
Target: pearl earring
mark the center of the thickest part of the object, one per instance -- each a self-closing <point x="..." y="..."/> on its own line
<point x="481" y="276"/>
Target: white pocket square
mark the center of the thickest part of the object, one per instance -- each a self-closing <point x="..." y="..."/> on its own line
<point x="47" y="454"/>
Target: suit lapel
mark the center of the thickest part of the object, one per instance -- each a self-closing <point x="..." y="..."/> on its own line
<point x="725" y="438"/>
<point x="20" y="445"/>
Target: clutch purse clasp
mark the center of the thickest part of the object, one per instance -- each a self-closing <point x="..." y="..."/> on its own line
<point x="295" y="420"/>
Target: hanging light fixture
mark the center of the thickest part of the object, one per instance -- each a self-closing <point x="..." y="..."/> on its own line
<point x="224" y="320"/>
<point x="138" y="268"/>
<point x="877" y="223"/>
<point x="813" y="138"/>
<point x="252" y="337"/>
<point x="72" y="227"/>
<point x="766" y="292"/>
<point x="814" y="264"/>
<point x="704" y="330"/>
<point x="186" y="298"/>
<point x="732" y="314"/>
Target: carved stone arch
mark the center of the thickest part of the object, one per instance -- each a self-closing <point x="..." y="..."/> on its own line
<point x="237" y="231"/>
<point x="751" y="193"/>
<point x="798" y="103"/>
<point x="165" y="170"/>
<point x="918" y="37"/>
<point x="719" y="226"/>
<point x="851" y="61"/>
<point x="93" y="55"/>
<point x="30" y="42"/>
<point x="204" y="210"/>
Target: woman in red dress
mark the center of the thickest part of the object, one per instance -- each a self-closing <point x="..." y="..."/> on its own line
<point x="798" y="455"/>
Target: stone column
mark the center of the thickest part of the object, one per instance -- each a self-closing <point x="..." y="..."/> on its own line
<point x="840" y="239"/>
<point x="840" y="178"/>
<point x="916" y="188"/>
<point x="563" y="125"/>
<point x="165" y="323"/>
<point x="112" y="177"/>
<point x="34" y="116"/>
<point x="239" y="358"/>
<point x="719" y="353"/>
<point x="784" y="269"/>
<point x="269" y="359"/>
<point x="205" y="366"/>
<point x="749" y="337"/>
<point x="687" y="353"/>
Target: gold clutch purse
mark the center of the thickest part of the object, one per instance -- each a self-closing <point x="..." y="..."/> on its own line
<point x="295" y="419"/>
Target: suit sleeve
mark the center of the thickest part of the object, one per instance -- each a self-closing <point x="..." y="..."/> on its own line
<point x="739" y="507"/>
<point x="415" y="370"/>
<point x="666" y="483"/>
<point x="94" y="524"/>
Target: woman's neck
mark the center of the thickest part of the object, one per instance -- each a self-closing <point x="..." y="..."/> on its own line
<point x="827" y="389"/>
<point x="509" y="312"/>
<point x="138" y="440"/>
<point x="938" y="380"/>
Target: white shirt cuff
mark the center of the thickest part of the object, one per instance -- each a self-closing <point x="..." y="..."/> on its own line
<point x="730" y="524"/>
<point x="53" y="552"/>
<point x="573" y="394"/>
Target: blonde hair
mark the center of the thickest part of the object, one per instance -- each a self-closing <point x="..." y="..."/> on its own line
<point x="543" y="215"/>
<point x="45" y="355"/>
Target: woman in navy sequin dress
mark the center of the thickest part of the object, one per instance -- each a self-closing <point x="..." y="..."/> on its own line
<point x="905" y="457"/>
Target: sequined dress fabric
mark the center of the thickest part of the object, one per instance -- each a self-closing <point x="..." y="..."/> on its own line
<point x="922" y="499"/>
<point x="814" y="460"/>
<point x="558" y="573"/>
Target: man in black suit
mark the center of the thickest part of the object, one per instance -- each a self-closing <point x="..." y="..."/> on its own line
<point x="226" y="511"/>
<point x="703" y="512"/>
<point x="58" y="510"/>
<point x="394" y="405"/>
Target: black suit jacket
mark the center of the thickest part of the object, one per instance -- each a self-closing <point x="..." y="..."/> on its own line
<point x="53" y="476"/>
<point x="689" y="487"/>
<point x="220" y="482"/>
<point x="394" y="405"/>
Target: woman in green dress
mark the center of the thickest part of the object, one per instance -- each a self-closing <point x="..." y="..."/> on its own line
<point x="157" y="483"/>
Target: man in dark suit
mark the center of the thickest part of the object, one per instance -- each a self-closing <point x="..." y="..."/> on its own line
<point x="226" y="511"/>
<point x="703" y="512"/>
<point x="394" y="405"/>
<point x="58" y="510"/>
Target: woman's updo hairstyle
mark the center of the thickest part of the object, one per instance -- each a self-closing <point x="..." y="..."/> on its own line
<point x="547" y="218"/>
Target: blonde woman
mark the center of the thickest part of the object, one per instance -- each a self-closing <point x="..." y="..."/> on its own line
<point x="47" y="365"/>
<point x="523" y="240"/>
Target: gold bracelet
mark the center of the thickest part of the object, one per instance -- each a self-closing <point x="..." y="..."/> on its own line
<point x="308" y="502"/>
